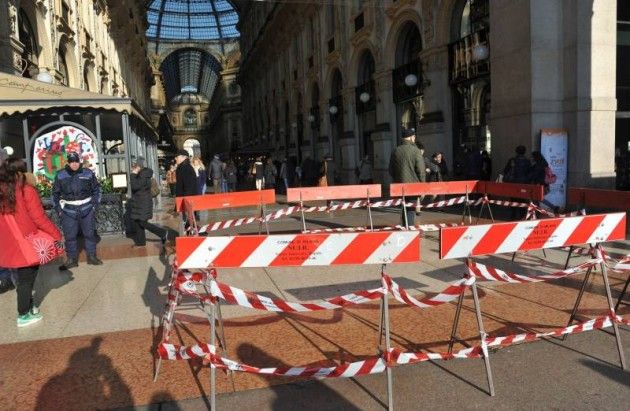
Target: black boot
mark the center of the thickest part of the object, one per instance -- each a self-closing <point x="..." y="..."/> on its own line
<point x="93" y="260"/>
<point x="70" y="263"/>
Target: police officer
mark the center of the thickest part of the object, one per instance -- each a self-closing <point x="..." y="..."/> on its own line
<point x="76" y="193"/>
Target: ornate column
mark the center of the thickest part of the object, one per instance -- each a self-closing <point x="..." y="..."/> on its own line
<point x="10" y="47"/>
<point x="348" y="143"/>
<point x="383" y="137"/>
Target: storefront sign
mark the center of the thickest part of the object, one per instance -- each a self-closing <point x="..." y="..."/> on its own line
<point x="554" y="148"/>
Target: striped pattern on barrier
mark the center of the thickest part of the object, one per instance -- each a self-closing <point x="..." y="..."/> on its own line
<point x="298" y="250"/>
<point x="489" y="273"/>
<point x="458" y="242"/>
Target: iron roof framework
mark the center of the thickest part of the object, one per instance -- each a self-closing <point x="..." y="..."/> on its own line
<point x="190" y="70"/>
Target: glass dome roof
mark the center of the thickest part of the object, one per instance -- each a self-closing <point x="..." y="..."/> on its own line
<point x="184" y="20"/>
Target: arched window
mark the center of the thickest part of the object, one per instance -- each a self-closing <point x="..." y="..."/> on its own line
<point x="27" y="38"/>
<point x="63" y="66"/>
<point x="409" y="44"/>
<point x="365" y="91"/>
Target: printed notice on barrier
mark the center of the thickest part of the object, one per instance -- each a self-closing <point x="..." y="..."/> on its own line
<point x="553" y="147"/>
<point x="298" y="250"/>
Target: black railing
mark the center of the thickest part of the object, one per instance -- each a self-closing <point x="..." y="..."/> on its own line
<point x="403" y="92"/>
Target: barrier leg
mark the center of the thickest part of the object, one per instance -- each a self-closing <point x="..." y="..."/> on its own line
<point x="482" y="334"/>
<point x="579" y="299"/>
<point x="390" y="383"/>
<point x="467" y="211"/>
<point x="380" y="325"/>
<point x="263" y="216"/>
<point x="302" y="213"/>
<point x="458" y="311"/>
<point x="218" y="318"/>
<point x="369" y="210"/>
<point x="622" y="358"/>
<point x="404" y="204"/>
<point x="623" y="294"/>
<point x="167" y="321"/>
<point x="213" y="370"/>
<point x="566" y="264"/>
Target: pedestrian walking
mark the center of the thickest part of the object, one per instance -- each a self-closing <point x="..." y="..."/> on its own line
<point x="230" y="176"/>
<point x="270" y="172"/>
<point x="28" y="237"/>
<point x="142" y="204"/>
<point x="201" y="173"/>
<point x="258" y="173"/>
<point x="365" y="170"/>
<point x="517" y="171"/>
<point x="540" y="173"/>
<point x="171" y="177"/>
<point x="486" y="166"/>
<point x="284" y="177"/>
<point x="186" y="178"/>
<point x="76" y="193"/>
<point x="216" y="173"/>
<point x="406" y="165"/>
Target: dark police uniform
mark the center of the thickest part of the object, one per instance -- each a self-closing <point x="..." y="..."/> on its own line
<point x="76" y="195"/>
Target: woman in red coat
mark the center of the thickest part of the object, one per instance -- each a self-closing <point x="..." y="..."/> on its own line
<point x="21" y="200"/>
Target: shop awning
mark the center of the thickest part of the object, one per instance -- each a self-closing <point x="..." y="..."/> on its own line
<point x="19" y="95"/>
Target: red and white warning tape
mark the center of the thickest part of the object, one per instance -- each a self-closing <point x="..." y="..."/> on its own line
<point x="594" y="324"/>
<point x="420" y="227"/>
<point x="489" y="273"/>
<point x="374" y="365"/>
<point x="449" y="294"/>
<point x="399" y="357"/>
<point x="220" y="225"/>
<point x="251" y="300"/>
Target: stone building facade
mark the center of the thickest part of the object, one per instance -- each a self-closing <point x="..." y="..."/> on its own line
<point x="94" y="45"/>
<point x="334" y="78"/>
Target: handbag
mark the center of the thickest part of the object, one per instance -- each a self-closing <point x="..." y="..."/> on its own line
<point x="155" y="189"/>
<point x="37" y="248"/>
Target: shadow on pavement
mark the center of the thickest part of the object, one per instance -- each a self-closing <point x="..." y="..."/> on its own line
<point x="90" y="380"/>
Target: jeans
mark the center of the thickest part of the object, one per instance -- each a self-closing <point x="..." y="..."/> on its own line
<point x="70" y="225"/>
<point x="25" y="280"/>
<point x="411" y="213"/>
<point x="140" y="226"/>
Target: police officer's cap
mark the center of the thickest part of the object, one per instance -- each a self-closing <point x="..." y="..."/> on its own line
<point x="183" y="152"/>
<point x="73" y="157"/>
<point x="408" y="132"/>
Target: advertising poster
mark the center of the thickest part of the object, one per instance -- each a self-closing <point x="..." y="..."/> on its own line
<point x="554" y="147"/>
<point x="50" y="150"/>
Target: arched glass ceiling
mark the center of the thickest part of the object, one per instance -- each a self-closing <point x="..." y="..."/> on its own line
<point x="189" y="20"/>
<point x="190" y="70"/>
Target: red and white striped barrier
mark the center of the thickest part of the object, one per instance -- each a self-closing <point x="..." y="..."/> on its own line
<point x="399" y="357"/>
<point x="449" y="294"/>
<point x="298" y="250"/>
<point x="489" y="273"/>
<point x="168" y="351"/>
<point x="623" y="265"/>
<point x="248" y="299"/>
<point x="457" y="242"/>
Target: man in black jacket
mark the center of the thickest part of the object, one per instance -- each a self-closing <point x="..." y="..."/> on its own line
<point x="142" y="203"/>
<point x="186" y="184"/>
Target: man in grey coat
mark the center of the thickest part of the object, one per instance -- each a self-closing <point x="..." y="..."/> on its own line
<point x="406" y="165"/>
<point x="216" y="173"/>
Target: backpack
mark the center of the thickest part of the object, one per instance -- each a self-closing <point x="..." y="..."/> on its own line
<point x="550" y="177"/>
<point x="155" y="190"/>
